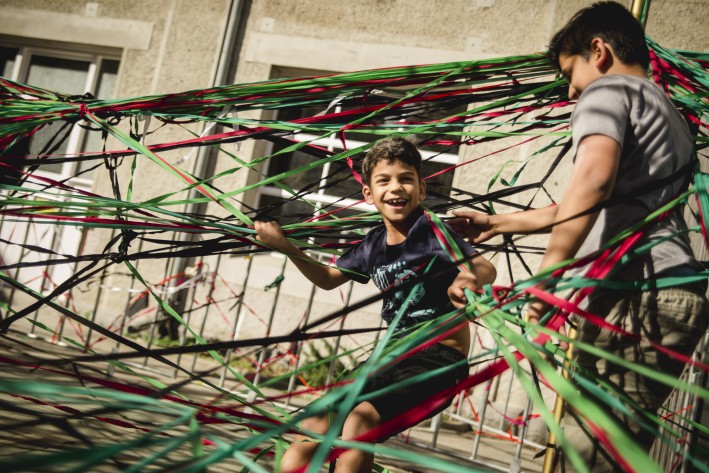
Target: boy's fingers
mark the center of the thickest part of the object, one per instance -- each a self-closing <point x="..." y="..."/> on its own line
<point x="456" y="223"/>
<point x="459" y="301"/>
<point x="479" y="219"/>
<point x="465" y="213"/>
<point x="456" y="291"/>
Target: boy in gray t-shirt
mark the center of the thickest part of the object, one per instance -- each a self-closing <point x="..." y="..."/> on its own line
<point x="632" y="153"/>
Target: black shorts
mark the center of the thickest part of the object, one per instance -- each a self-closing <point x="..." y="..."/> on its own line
<point x="400" y="400"/>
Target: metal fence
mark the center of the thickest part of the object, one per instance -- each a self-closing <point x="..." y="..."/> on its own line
<point x="206" y="298"/>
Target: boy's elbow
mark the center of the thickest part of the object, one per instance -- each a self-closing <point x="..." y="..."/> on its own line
<point x="488" y="272"/>
<point x="491" y="273"/>
<point x="332" y="280"/>
<point x="485" y="271"/>
<point x="327" y="285"/>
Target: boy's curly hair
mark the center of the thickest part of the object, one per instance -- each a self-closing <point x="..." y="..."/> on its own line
<point x="391" y="150"/>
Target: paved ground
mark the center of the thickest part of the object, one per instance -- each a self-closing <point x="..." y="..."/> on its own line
<point x="39" y="422"/>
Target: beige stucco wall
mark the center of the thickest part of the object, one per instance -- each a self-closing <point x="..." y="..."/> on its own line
<point x="375" y="33"/>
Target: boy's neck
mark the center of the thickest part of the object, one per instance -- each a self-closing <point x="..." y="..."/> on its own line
<point x="627" y="70"/>
<point x="397" y="232"/>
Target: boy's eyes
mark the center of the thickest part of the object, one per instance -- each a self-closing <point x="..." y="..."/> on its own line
<point x="386" y="180"/>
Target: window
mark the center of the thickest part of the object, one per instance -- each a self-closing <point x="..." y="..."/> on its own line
<point x="331" y="187"/>
<point x="67" y="72"/>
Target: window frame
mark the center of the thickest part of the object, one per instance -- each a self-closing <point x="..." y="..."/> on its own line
<point x="332" y="143"/>
<point x="321" y="198"/>
<point x="95" y="59"/>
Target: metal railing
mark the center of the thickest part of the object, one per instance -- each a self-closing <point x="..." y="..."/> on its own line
<point x="495" y="409"/>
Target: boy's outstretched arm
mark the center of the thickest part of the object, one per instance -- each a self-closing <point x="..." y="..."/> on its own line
<point x="483" y="273"/>
<point x="479" y="227"/>
<point x="325" y="277"/>
<point x="592" y="182"/>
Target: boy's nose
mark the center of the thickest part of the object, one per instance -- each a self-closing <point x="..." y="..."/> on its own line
<point x="573" y="93"/>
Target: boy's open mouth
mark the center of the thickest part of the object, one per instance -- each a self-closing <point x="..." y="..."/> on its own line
<point x="396" y="202"/>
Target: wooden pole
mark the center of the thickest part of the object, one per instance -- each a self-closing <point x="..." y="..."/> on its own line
<point x="550" y="456"/>
<point x="638" y="8"/>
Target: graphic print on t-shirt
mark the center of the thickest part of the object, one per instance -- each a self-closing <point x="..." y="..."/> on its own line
<point x="398" y="274"/>
<point x="419" y="266"/>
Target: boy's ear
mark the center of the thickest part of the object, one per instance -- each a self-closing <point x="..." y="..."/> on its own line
<point x="367" y="193"/>
<point x="601" y="54"/>
<point x="422" y="189"/>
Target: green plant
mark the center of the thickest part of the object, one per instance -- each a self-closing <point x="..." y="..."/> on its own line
<point x="318" y="359"/>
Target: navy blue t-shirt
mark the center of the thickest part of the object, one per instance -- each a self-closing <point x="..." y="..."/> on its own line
<point x="392" y="266"/>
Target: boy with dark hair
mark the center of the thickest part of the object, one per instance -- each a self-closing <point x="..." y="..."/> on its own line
<point x="403" y="249"/>
<point x="632" y="147"/>
<point x="609" y="21"/>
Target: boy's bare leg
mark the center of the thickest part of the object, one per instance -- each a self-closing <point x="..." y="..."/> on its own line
<point x="303" y="448"/>
<point x="362" y="419"/>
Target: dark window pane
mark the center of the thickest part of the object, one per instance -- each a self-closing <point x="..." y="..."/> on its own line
<point x="52" y="138"/>
<point x="63" y="75"/>
<point x="107" y="79"/>
<point x="7" y="60"/>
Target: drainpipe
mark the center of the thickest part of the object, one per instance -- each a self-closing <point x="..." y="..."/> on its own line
<point x="205" y="155"/>
<point x="226" y="56"/>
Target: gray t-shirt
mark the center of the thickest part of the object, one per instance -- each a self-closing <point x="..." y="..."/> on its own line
<point x="655" y="144"/>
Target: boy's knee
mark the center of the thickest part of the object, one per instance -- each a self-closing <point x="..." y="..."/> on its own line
<point x="362" y="418"/>
<point x="304" y="445"/>
<point x="317" y="425"/>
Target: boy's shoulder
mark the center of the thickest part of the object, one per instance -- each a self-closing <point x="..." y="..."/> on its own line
<point x="377" y="232"/>
<point x="619" y="85"/>
<point x="370" y="240"/>
<point x="613" y="95"/>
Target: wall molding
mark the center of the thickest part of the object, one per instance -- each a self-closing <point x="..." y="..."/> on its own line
<point x="342" y="56"/>
<point x="78" y="29"/>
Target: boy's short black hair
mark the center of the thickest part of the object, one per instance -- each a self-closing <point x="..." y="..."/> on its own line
<point x="391" y="150"/>
<point x="609" y="21"/>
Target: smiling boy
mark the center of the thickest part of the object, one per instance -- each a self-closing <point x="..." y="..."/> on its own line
<point x="401" y="250"/>
<point x="632" y="153"/>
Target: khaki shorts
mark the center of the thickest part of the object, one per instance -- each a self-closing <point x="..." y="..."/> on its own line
<point x="675" y="318"/>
